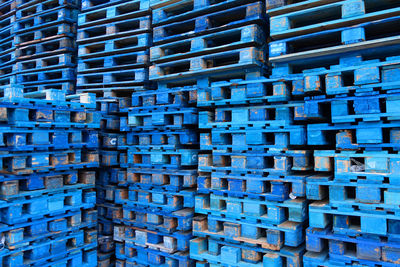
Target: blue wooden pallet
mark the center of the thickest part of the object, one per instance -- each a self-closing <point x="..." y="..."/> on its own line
<point x="185" y="9"/>
<point x="344" y="250"/>
<point x="43" y="5"/>
<point x="205" y="80"/>
<point x="208" y="64"/>
<point x="356" y="220"/>
<point x="271" y="161"/>
<point x="252" y="210"/>
<point x="253" y="138"/>
<point x="119" y="45"/>
<point x="260" y="235"/>
<point x="268" y="187"/>
<point x="47" y="48"/>
<point x="14" y="186"/>
<point x="250" y="35"/>
<point x="114" y="62"/>
<point x="330" y="16"/>
<point x="173" y="98"/>
<point x="333" y="40"/>
<point x="115" y="12"/>
<point x="38" y="185"/>
<point x="130" y="254"/>
<point x="120" y="78"/>
<point x="244" y="91"/>
<point x="276" y="116"/>
<point x="371" y="166"/>
<point x="160" y="139"/>
<point x="26" y="163"/>
<point x="365" y="107"/>
<point x="368" y="135"/>
<point x="164" y="242"/>
<point x="14" y="97"/>
<point x="278" y="7"/>
<point x="169" y="180"/>
<point x="335" y="72"/>
<point x="66" y="74"/>
<point x="113" y="30"/>
<point x="210" y="23"/>
<point x="169" y="222"/>
<point x="27" y="117"/>
<point x="45" y="63"/>
<point x="157" y="199"/>
<point x="67" y="87"/>
<point x="220" y="253"/>
<point x="26" y="209"/>
<point x="45" y="34"/>
<point x="31" y="232"/>
<point x="161" y="158"/>
<point x="27" y="22"/>
<point x="154" y="118"/>
<point x="46" y="251"/>
<point x="349" y="194"/>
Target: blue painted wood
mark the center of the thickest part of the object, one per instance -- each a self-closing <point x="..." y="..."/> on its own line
<point x="157" y="199"/>
<point x="267" y="187"/>
<point x="114" y="62"/>
<point x="239" y="58"/>
<point x="252" y="210"/>
<point x="115" y="12"/>
<point x="63" y="29"/>
<point x="272" y="162"/>
<point x="133" y="255"/>
<point x="366" y="250"/>
<point x="372" y="166"/>
<point x="206" y="44"/>
<point x="43" y="19"/>
<point x="185" y="9"/>
<point x="262" y="235"/>
<point x="116" y="45"/>
<point x="105" y="33"/>
<point x="217" y="252"/>
<point x="118" y="78"/>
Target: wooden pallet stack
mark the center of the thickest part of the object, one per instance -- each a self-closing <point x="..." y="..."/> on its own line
<point x="113" y="50"/>
<point x="48" y="157"/>
<point x="251" y="185"/>
<point x="44" y="37"/>
<point x="49" y="140"/>
<point x="343" y="55"/>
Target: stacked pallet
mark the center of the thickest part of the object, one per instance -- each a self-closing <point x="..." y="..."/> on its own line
<point x="161" y="147"/>
<point x="45" y="45"/>
<point x="7" y="48"/>
<point x="48" y="147"/>
<point x="113" y="50"/>
<point x="251" y="184"/>
<point x="344" y="56"/>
